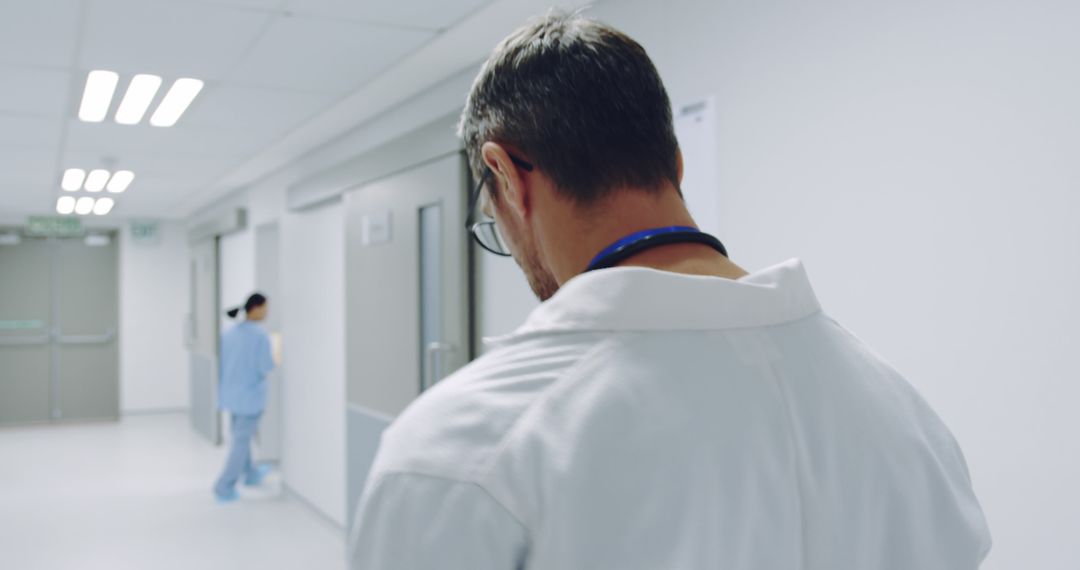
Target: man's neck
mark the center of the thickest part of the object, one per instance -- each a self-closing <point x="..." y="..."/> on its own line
<point x="686" y="258"/>
<point x="632" y="211"/>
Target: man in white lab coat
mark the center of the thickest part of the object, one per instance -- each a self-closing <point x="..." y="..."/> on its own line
<point x="662" y="409"/>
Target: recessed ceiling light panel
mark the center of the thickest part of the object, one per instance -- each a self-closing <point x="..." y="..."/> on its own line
<point x="65" y="205"/>
<point x="73" y="179"/>
<point x="103" y="206"/>
<point x="176" y="101"/>
<point x="120" y="181"/>
<point x="96" y="180"/>
<point x="140" y="94"/>
<point x="97" y="96"/>
<point x="84" y="205"/>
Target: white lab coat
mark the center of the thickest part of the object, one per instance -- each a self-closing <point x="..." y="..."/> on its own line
<point x="649" y="420"/>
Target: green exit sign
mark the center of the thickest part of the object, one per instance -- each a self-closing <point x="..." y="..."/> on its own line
<point x="56" y="226"/>
<point x="145" y="232"/>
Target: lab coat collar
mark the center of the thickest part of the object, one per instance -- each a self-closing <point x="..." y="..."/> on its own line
<point x="641" y="299"/>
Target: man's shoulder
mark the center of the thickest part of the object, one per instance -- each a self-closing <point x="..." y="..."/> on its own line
<point x="455" y="429"/>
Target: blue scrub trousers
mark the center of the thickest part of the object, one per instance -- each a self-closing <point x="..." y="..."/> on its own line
<point x="239" y="461"/>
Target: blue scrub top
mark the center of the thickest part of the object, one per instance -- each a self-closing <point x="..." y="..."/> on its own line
<point x="245" y="361"/>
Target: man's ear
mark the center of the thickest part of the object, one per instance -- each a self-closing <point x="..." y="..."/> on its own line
<point x="507" y="177"/>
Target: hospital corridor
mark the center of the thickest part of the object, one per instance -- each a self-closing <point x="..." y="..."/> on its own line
<point x="539" y="285"/>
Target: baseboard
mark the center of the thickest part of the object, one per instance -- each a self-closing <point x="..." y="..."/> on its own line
<point x="154" y="411"/>
<point x="311" y="507"/>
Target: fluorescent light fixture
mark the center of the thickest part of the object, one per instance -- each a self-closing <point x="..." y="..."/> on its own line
<point x="176" y="101"/>
<point x="120" y="181"/>
<point x="65" y="205"/>
<point x="95" y="181"/>
<point x="97" y="96"/>
<point x="103" y="206"/>
<point x="140" y="94"/>
<point x="84" y="206"/>
<point x="73" y="179"/>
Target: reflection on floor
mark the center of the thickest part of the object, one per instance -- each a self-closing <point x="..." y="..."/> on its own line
<point x="136" y="495"/>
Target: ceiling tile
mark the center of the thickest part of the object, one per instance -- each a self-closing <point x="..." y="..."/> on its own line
<point x="30" y="130"/>
<point x="158" y="210"/>
<point x="430" y="14"/>
<point x="177" y="168"/>
<point x="35" y="167"/>
<point x="160" y="187"/>
<point x="21" y="197"/>
<point x="156" y="196"/>
<point x="270" y="111"/>
<point x="272" y="5"/>
<point x="113" y="140"/>
<point x="326" y="56"/>
<point x="171" y="39"/>
<point x="39" y="32"/>
<point x="35" y="91"/>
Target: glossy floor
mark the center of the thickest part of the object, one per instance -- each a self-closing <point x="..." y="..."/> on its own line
<point x="136" y="495"/>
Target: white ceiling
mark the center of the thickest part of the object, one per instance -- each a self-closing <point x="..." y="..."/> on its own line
<point x="270" y="67"/>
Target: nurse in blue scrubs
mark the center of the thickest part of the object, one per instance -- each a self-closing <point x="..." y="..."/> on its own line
<point x="247" y="357"/>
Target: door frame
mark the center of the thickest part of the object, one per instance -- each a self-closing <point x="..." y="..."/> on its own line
<point x="268" y="282"/>
<point x="204" y="413"/>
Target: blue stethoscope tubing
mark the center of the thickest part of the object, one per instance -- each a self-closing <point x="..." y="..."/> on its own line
<point x="646" y="239"/>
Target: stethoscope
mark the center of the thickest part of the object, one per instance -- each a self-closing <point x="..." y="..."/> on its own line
<point x="637" y="242"/>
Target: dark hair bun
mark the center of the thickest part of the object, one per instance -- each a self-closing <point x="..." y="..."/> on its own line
<point x="233" y="312"/>
<point x="255" y="301"/>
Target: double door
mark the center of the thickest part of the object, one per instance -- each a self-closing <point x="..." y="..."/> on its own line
<point x="59" y="357"/>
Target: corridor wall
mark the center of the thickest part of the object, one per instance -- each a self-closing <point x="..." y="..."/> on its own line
<point x="919" y="157"/>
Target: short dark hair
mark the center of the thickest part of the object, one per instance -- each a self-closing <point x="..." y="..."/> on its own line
<point x="582" y="101"/>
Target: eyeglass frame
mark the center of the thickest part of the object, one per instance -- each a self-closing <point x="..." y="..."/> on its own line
<point x="470" y="224"/>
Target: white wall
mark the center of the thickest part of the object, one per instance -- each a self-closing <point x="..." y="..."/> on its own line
<point x="313" y="396"/>
<point x="154" y="299"/>
<point x="921" y="158"/>
<point x="236" y="277"/>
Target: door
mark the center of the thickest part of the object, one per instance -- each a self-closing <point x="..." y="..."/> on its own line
<point x="407" y="298"/>
<point x="267" y="279"/>
<point x="25" y="325"/>
<point x="203" y="341"/>
<point x="59" y="356"/>
<point x="86" y="347"/>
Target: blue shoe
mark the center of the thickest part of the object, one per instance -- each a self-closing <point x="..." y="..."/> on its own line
<point x="229" y="497"/>
<point x="255" y="478"/>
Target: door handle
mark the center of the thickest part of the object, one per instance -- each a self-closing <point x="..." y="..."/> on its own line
<point x="24" y="340"/>
<point x="105" y="338"/>
<point x="433" y="370"/>
<point x="189" y="331"/>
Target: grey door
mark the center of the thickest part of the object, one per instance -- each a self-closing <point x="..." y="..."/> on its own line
<point x="267" y="278"/>
<point x="25" y="325"/>
<point x="407" y="298"/>
<point x="87" y="358"/>
<point x="58" y="330"/>
<point x="203" y="343"/>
